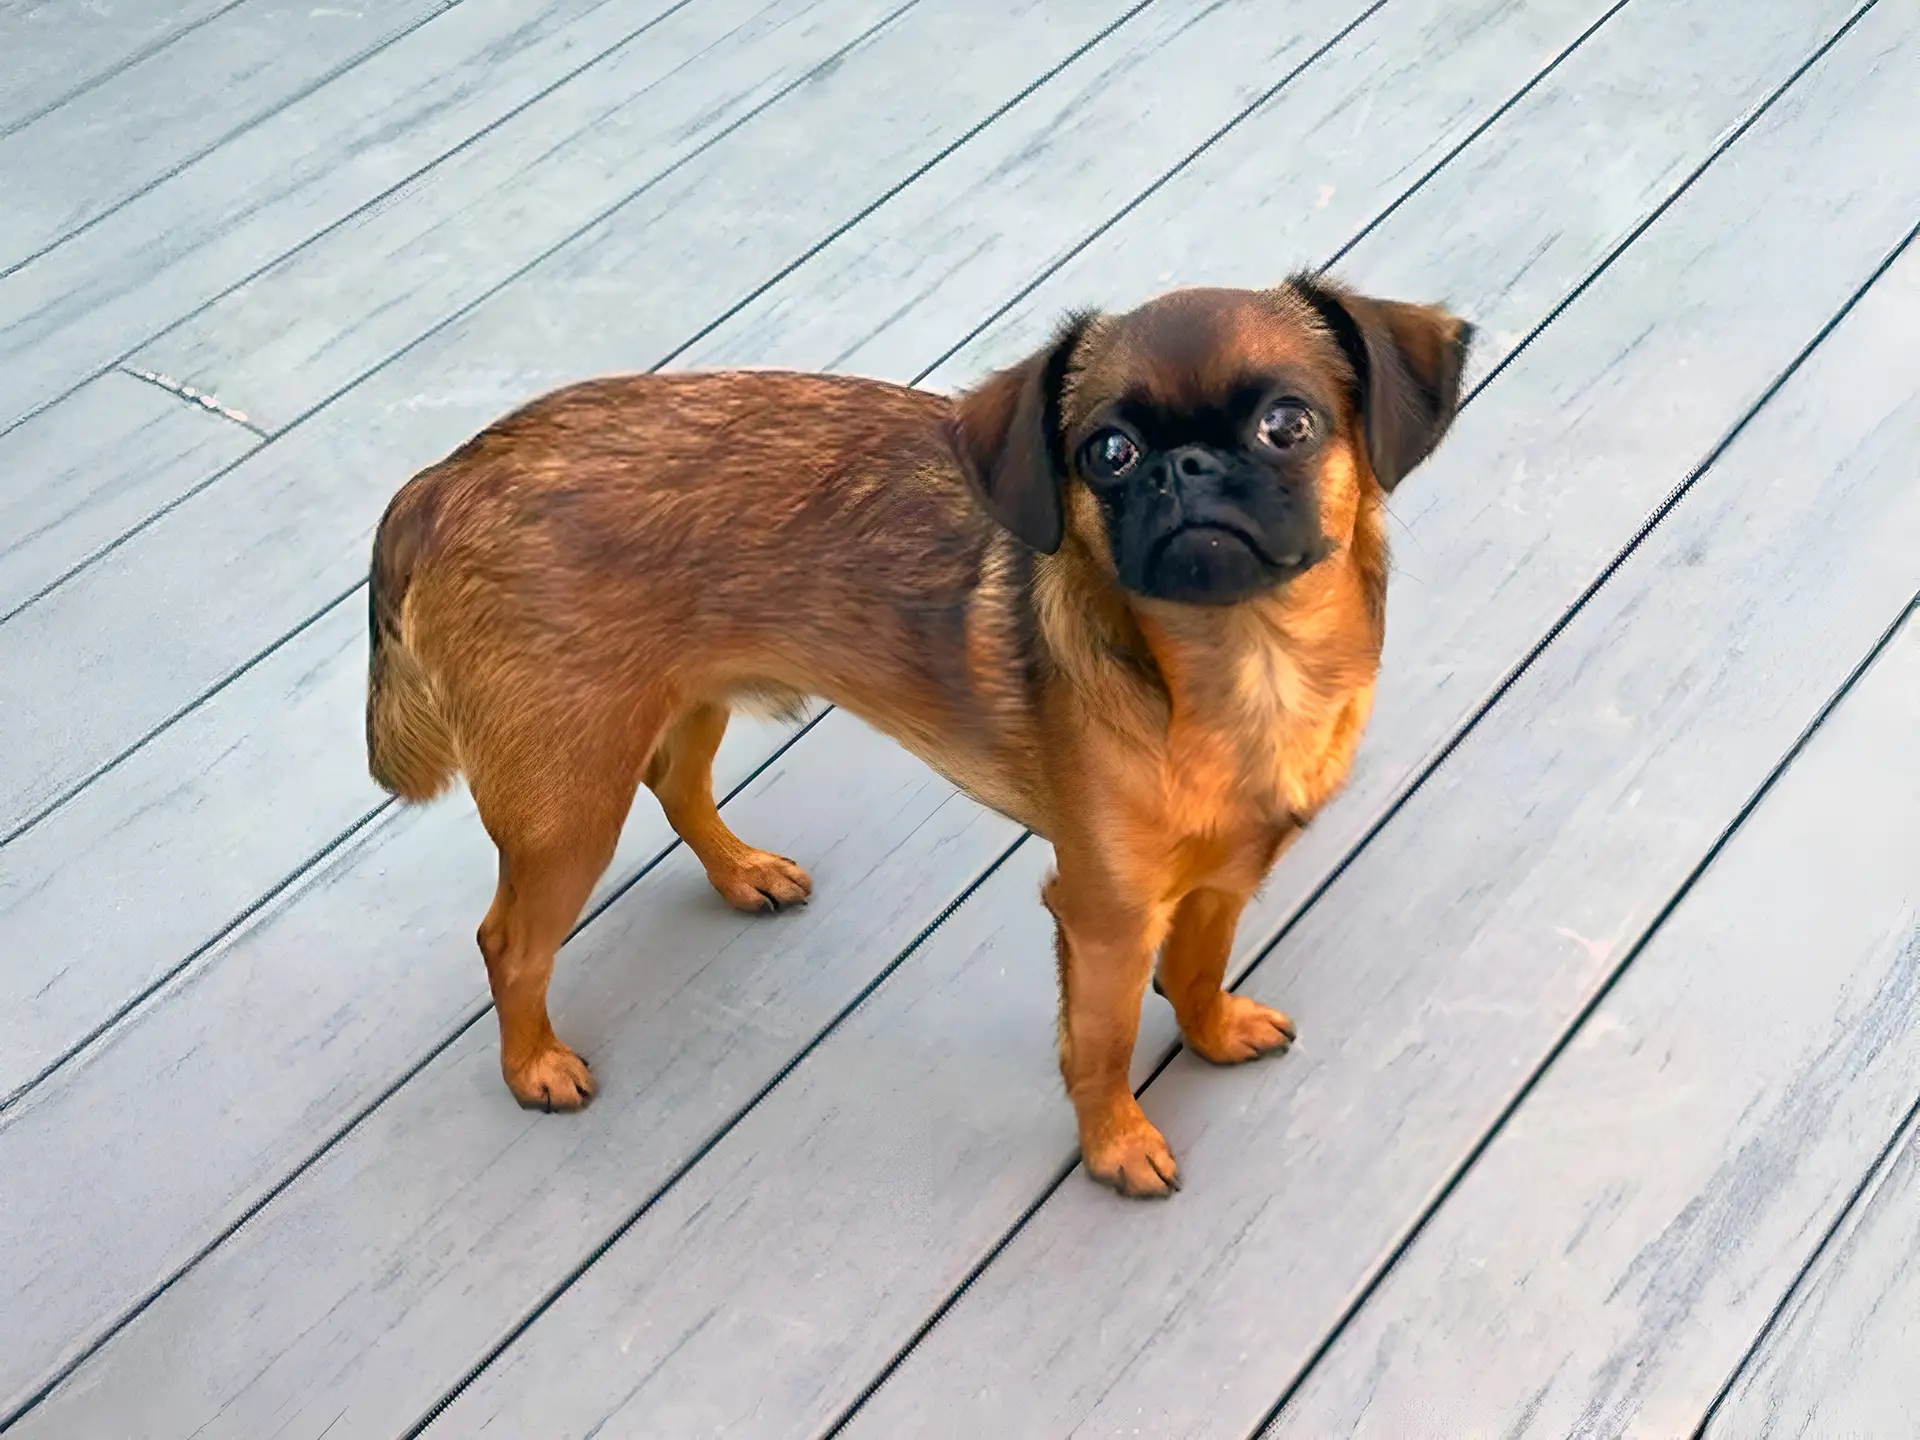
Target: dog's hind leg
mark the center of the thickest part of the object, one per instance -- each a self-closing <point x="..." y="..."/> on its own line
<point x="555" y="811"/>
<point x="680" y="774"/>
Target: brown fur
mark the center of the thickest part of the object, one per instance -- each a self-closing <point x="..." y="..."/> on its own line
<point x="568" y="607"/>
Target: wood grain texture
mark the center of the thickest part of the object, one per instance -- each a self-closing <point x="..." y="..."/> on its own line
<point x="1631" y="1228"/>
<point x="1841" y="1359"/>
<point x="77" y="475"/>
<point x="217" y="579"/>
<point x="1442" y="964"/>
<point x="1316" y="162"/>
<point x="1603" y="140"/>
<point x="420" y="101"/>
<point x="177" y="105"/>
<point x="801" y="1331"/>
<point x="56" y="50"/>
<point x="463" y="228"/>
<point x="685" y="1007"/>
<point x="279" y="1036"/>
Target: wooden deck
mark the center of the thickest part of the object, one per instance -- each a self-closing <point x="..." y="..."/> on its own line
<point x="1605" y="1116"/>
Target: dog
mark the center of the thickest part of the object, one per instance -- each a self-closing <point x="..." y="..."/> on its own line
<point x="1129" y="593"/>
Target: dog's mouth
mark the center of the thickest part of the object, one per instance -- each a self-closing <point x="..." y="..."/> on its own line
<point x="1213" y="560"/>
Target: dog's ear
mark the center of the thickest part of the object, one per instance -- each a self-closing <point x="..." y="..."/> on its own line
<point x="1006" y="431"/>
<point x="1406" y="360"/>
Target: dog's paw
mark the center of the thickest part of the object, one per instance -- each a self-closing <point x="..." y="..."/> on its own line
<point x="1235" y="1029"/>
<point x="763" y="883"/>
<point x="1132" y="1157"/>
<point x="554" y="1079"/>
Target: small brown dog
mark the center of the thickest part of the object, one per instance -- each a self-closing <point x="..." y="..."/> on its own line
<point x="1129" y="593"/>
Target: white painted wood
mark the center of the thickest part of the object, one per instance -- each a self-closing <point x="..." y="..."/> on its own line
<point x="1606" y="1263"/>
<point x="76" y="476"/>
<point x="216" y="580"/>
<point x="477" y="78"/>
<point x="684" y="1006"/>
<point x="1443" y="964"/>
<point x="1841" y="1359"/>
<point x="56" y="49"/>
<point x="175" y="106"/>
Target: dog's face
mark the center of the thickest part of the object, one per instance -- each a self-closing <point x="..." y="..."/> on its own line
<point x="1213" y="444"/>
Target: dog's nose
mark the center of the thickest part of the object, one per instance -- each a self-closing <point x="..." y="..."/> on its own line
<point x="1185" y="465"/>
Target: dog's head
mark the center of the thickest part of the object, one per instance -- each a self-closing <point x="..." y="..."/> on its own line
<point x="1213" y="444"/>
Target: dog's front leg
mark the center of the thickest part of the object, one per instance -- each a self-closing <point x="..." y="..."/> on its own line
<point x="1107" y="944"/>
<point x="1217" y="1024"/>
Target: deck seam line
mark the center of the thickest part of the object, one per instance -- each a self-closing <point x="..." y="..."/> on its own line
<point x="453" y="317"/>
<point x="106" y="1336"/>
<point x="119" y="67"/>
<point x="1869" y="1185"/>
<point x="1459" y="1172"/>
<point x="199" y="399"/>
<point x="441" y="7"/>
<point x="1398" y="802"/>
<point x="372" y="202"/>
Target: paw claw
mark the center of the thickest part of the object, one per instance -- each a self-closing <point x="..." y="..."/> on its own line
<point x="1134" y="1160"/>
<point x="763" y="883"/>
<point x="1237" y="1029"/>
<point x="554" y="1080"/>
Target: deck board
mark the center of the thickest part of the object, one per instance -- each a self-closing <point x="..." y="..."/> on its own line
<point x="57" y="50"/>
<point x="467" y="79"/>
<point x="1675" y="1167"/>
<point x="1840" y="1360"/>
<point x="80" y="474"/>
<point x="242" y="1000"/>
<point x="177" y="105"/>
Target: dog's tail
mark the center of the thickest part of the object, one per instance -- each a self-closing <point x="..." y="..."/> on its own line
<point x="410" y="747"/>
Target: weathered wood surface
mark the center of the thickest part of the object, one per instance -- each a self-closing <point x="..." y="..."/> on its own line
<point x="56" y="51"/>
<point x="487" y="75"/>
<point x="1840" y="1361"/>
<point x="1674" y="1169"/>
<point x="176" y="106"/>
<point x="75" y="477"/>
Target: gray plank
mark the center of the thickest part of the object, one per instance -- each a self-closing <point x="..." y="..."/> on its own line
<point x="395" y="273"/>
<point x="77" y="475"/>
<point x="80" y="160"/>
<point x="483" y="66"/>
<point x="1441" y="965"/>
<point x="56" y="50"/>
<point x="1631" y="1228"/>
<point x="686" y="1007"/>
<point x="827" y="1249"/>
<point x="1840" y="1360"/>
<point x="243" y="561"/>
<point x="1013" y="207"/>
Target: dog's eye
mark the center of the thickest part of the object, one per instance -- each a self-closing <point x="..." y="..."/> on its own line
<point x="1286" y="425"/>
<point x="1110" y="454"/>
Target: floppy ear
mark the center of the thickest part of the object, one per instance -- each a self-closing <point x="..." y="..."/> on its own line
<point x="1006" y="431"/>
<point x="1407" y="361"/>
